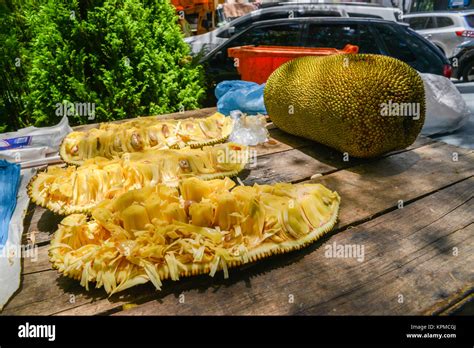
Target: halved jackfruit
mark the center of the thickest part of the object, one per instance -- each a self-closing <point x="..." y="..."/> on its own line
<point x="203" y="228"/>
<point x="114" y="139"/>
<point x="77" y="189"/>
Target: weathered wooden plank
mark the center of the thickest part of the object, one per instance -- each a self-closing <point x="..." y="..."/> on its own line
<point x="302" y="163"/>
<point x="40" y="225"/>
<point x="405" y="176"/>
<point x="37" y="260"/>
<point x="409" y="257"/>
<point x="407" y="252"/>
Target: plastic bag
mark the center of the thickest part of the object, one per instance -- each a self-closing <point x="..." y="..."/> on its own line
<point x="34" y="146"/>
<point x="13" y="250"/>
<point x="446" y="110"/>
<point x="9" y="180"/>
<point x="248" y="130"/>
<point x="240" y="95"/>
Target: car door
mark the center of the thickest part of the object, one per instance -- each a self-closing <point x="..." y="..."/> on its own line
<point x="445" y="35"/>
<point x="219" y="66"/>
<point x="427" y="27"/>
<point x="405" y="45"/>
<point x="337" y="35"/>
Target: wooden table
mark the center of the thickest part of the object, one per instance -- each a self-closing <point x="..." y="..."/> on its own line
<point x="411" y="210"/>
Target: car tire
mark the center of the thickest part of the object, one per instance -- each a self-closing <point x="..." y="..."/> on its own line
<point x="469" y="68"/>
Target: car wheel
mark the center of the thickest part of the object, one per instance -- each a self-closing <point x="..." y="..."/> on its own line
<point x="468" y="72"/>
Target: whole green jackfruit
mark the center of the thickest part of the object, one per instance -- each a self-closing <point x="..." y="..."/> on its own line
<point x="362" y="104"/>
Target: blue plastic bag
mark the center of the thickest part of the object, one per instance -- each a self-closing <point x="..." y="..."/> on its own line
<point x="240" y="95"/>
<point x="9" y="181"/>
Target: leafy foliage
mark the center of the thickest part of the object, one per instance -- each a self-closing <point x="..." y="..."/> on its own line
<point x="125" y="56"/>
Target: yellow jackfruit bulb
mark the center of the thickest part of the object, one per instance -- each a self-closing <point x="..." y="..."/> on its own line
<point x="153" y="205"/>
<point x="362" y="104"/>
<point x="169" y="194"/>
<point x="254" y="219"/>
<point x="174" y="211"/>
<point x="201" y="214"/>
<point x="226" y="205"/>
<point x="123" y="201"/>
<point x="193" y="189"/>
<point x="293" y="220"/>
<point x="102" y="215"/>
<point x="310" y="212"/>
<point x="134" y="217"/>
<point x="130" y="197"/>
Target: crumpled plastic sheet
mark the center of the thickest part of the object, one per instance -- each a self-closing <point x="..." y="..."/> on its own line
<point x="446" y="110"/>
<point x="248" y="130"/>
<point x="34" y="146"/>
<point x="240" y="95"/>
<point x="11" y="253"/>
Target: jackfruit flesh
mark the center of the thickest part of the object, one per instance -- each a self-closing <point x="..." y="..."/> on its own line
<point x="361" y="104"/>
<point x="114" y="139"/>
<point x="77" y="189"/>
<point x="144" y="235"/>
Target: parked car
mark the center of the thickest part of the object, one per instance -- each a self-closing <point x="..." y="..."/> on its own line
<point x="463" y="61"/>
<point x="444" y="29"/>
<point x="359" y="9"/>
<point x="209" y="41"/>
<point x="371" y="35"/>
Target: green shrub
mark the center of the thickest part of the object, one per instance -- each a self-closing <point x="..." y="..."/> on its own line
<point x="13" y="65"/>
<point x="126" y="57"/>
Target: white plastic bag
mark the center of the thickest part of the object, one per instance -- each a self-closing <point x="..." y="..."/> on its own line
<point x="11" y="252"/>
<point x="248" y="130"/>
<point x="34" y="146"/>
<point x="446" y="110"/>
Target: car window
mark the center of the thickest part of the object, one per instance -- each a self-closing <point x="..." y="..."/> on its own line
<point x="470" y="20"/>
<point x="276" y="35"/>
<point x="408" y="46"/>
<point x="363" y="15"/>
<point x="444" y="22"/>
<point x="281" y="14"/>
<point x="417" y="23"/>
<point x="219" y="66"/>
<point x="339" y="35"/>
<point x="395" y="45"/>
<point x="430" y="23"/>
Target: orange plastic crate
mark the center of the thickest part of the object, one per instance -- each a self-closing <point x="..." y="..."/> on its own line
<point x="256" y="63"/>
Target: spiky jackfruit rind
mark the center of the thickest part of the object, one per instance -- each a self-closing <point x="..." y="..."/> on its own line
<point x="39" y="195"/>
<point x="143" y="126"/>
<point x="59" y="251"/>
<point x="342" y="101"/>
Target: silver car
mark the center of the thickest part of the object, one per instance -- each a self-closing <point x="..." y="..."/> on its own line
<point x="444" y="29"/>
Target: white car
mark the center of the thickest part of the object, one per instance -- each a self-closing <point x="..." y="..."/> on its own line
<point x="445" y="29"/>
<point x="206" y="42"/>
